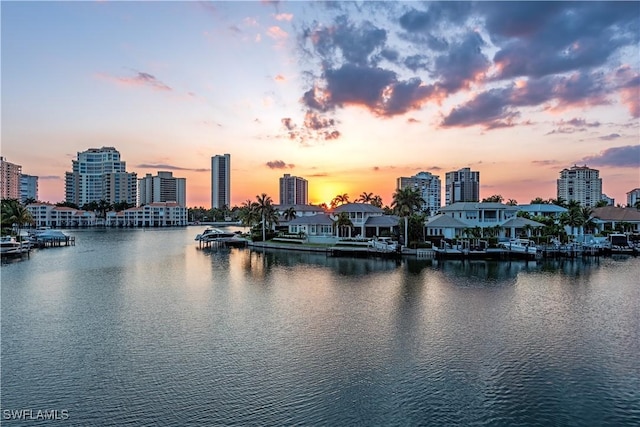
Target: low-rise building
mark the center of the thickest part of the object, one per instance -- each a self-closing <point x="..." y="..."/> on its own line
<point x="48" y="215"/>
<point x="495" y="219"/>
<point x="159" y="214"/>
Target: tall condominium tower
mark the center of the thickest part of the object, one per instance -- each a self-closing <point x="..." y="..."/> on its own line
<point x="162" y="188"/>
<point x="99" y="174"/>
<point x="28" y="187"/>
<point x="462" y="186"/>
<point x="293" y="190"/>
<point x="581" y="184"/>
<point x="633" y="197"/>
<point x="9" y="180"/>
<point x="221" y="181"/>
<point x="429" y="187"/>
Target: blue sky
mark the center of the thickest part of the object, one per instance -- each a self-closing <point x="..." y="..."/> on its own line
<point x="348" y="95"/>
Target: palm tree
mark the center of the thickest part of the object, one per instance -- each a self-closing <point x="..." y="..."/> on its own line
<point x="14" y="214"/>
<point x="340" y="199"/>
<point x="264" y="203"/>
<point x="104" y="207"/>
<point x="377" y="201"/>
<point x="342" y="222"/>
<point x="365" y="197"/>
<point x="512" y="202"/>
<point x="539" y="201"/>
<point x="290" y="213"/>
<point x="496" y="198"/>
<point x="406" y="201"/>
<point x="248" y="214"/>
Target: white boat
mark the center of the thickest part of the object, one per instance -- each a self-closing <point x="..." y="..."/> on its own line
<point x="383" y="244"/>
<point x="211" y="234"/>
<point x="520" y="246"/>
<point x="50" y="235"/>
<point x="10" y="246"/>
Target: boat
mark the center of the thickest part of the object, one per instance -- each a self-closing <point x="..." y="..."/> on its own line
<point x="520" y="246"/>
<point x="618" y="243"/>
<point x="383" y="244"/>
<point x="211" y="234"/>
<point x="10" y="246"/>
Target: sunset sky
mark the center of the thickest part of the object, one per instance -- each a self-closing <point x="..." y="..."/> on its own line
<point x="350" y="96"/>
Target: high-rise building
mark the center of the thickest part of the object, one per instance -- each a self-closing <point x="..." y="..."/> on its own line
<point x="28" y="187"/>
<point x="462" y="186"/>
<point x="429" y="187"/>
<point x="99" y="174"/>
<point x="632" y="197"/>
<point x="581" y="184"/>
<point x="9" y="180"/>
<point x="221" y="181"/>
<point x="162" y="188"/>
<point x="293" y="190"/>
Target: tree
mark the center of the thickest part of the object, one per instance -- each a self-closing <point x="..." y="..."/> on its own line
<point x="601" y="204"/>
<point x="264" y="204"/>
<point x="496" y="198"/>
<point x="637" y="204"/>
<point x="377" y="201"/>
<point x="28" y="201"/>
<point x="558" y="202"/>
<point x="406" y="201"/>
<point x="122" y="206"/>
<point x="539" y="201"/>
<point x="103" y="207"/>
<point x="365" y="197"/>
<point x="342" y="222"/>
<point x="248" y="214"/>
<point x="340" y="199"/>
<point x="512" y="202"/>
<point x="290" y="213"/>
<point x="14" y="214"/>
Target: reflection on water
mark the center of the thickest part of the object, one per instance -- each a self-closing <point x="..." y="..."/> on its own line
<point x="133" y="328"/>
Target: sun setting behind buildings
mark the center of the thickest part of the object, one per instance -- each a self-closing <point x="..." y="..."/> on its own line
<point x="349" y="97"/>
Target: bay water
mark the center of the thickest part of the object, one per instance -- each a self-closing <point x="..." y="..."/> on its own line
<point x="144" y="327"/>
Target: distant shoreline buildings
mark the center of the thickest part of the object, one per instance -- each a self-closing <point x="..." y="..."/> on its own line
<point x="294" y="190"/>
<point x="580" y="184"/>
<point x="221" y="181"/>
<point x="99" y="174"/>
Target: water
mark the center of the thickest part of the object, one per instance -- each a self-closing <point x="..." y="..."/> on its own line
<point x="133" y="327"/>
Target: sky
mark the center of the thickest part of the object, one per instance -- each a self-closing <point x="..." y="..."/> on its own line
<point x="348" y="95"/>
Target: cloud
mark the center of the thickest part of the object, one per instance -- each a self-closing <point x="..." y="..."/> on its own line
<point x="498" y="107"/>
<point x="279" y="164"/>
<point x="315" y="128"/>
<point x="610" y="137"/>
<point x="277" y="33"/>
<point x="165" y="167"/>
<point x="280" y="78"/>
<point x="283" y="16"/>
<point x="537" y="39"/>
<point x="508" y="55"/>
<point x="626" y="157"/>
<point x="572" y="126"/>
<point x="139" y="79"/>
<point x="545" y="162"/>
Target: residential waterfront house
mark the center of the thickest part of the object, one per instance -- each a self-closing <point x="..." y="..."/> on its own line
<point x="48" y="215"/>
<point x="502" y="219"/>
<point x="367" y="220"/>
<point x="547" y="210"/>
<point x="158" y="214"/>
<point x="317" y="228"/>
<point x="613" y="217"/>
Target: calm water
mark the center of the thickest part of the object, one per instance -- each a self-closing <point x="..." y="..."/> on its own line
<point x="143" y="328"/>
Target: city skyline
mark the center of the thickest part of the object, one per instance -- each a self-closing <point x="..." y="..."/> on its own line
<point x="279" y="86"/>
